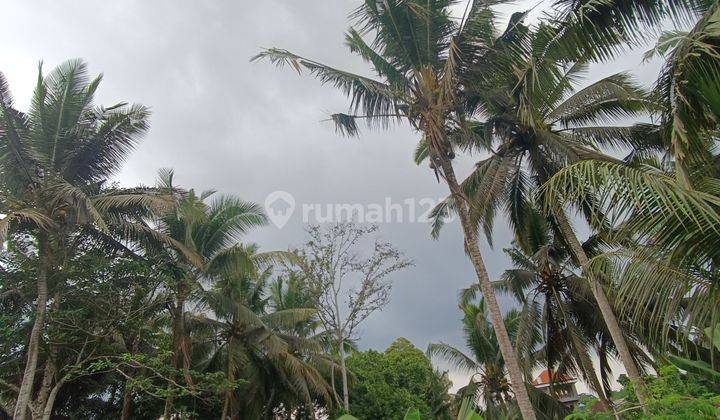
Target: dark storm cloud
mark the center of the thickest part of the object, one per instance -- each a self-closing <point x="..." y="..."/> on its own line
<point x="250" y="129"/>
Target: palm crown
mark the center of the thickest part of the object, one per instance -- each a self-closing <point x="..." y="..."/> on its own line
<point x="535" y="121"/>
<point x="485" y="359"/>
<point x="57" y="156"/>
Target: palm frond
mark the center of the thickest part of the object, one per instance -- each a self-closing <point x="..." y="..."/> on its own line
<point x="227" y="218"/>
<point x="380" y="65"/>
<point x="288" y="318"/>
<point x="657" y="296"/>
<point x="453" y="356"/>
<point x="145" y="234"/>
<point x="113" y="134"/>
<point x="655" y="206"/>
<point x="600" y="30"/>
<point x="134" y="201"/>
<point x="422" y="151"/>
<point x="16" y="158"/>
<point x="608" y="99"/>
<point x="485" y="187"/>
<point x="68" y="96"/>
<point x="376" y="100"/>
<point x="639" y="137"/>
<point x="72" y="198"/>
<point x="27" y="215"/>
<point x="688" y="88"/>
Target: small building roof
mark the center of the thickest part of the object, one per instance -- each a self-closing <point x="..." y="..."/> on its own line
<point x="545" y="377"/>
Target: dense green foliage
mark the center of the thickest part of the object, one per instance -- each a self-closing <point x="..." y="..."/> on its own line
<point x="387" y="384"/>
<point x="672" y="396"/>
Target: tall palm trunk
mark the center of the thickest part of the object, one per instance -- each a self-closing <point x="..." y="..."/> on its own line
<point x="28" y="379"/>
<point x="473" y="250"/>
<point x="182" y="347"/>
<point x="605" y="308"/>
<point x="42" y="401"/>
<point x="230" y="377"/>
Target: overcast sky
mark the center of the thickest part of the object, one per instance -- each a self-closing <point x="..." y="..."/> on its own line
<point x="250" y="129"/>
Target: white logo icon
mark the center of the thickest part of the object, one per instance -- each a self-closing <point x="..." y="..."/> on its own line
<point x="279" y="206"/>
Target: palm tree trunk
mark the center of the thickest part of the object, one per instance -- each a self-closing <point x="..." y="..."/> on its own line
<point x="178" y="356"/>
<point x="176" y="327"/>
<point x="605" y="308"/>
<point x="230" y="377"/>
<point x="473" y="250"/>
<point x="50" y="370"/>
<point x="28" y="379"/>
<point x="343" y="371"/>
<point x="182" y="346"/>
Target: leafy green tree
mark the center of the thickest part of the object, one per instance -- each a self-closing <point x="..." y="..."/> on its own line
<point x="387" y="384"/>
<point x="671" y="395"/>
<point x="109" y="309"/>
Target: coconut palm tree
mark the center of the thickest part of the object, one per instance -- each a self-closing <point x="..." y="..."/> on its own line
<point x="535" y="122"/>
<point x="668" y="209"/>
<point x="290" y="291"/>
<point x="276" y="368"/>
<point x="666" y="277"/>
<point x="55" y="160"/>
<point x="212" y="232"/>
<point x="559" y="304"/>
<point x="486" y="364"/>
<point x="423" y="59"/>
